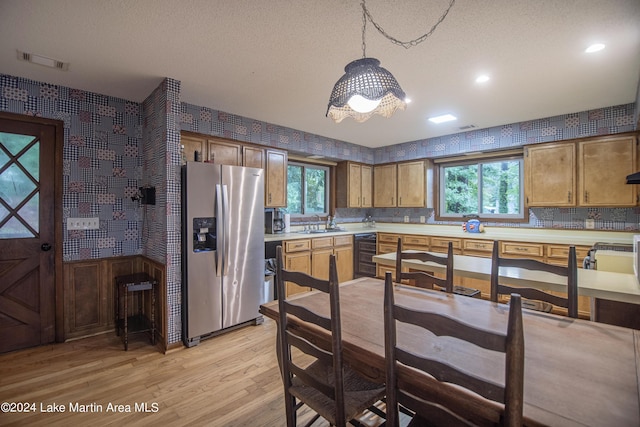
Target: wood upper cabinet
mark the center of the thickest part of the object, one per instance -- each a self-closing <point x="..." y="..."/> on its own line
<point x="399" y="185"/>
<point x="191" y="145"/>
<point x="223" y="152"/>
<point x="589" y="172"/>
<point x="252" y="157"/>
<point x="603" y="165"/>
<point x="385" y="186"/>
<point x="411" y="184"/>
<point x="275" y="193"/>
<point x="550" y="178"/>
<point x="354" y="185"/>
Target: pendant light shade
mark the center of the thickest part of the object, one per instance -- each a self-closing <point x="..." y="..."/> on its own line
<point x="375" y="88"/>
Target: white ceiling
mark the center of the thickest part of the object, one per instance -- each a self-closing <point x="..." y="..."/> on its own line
<point x="277" y="60"/>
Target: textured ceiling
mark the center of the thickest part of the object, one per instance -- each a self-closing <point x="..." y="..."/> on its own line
<point x="277" y="60"/>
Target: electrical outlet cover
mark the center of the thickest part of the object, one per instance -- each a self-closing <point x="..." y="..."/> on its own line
<point x="406" y="218"/>
<point x="589" y="223"/>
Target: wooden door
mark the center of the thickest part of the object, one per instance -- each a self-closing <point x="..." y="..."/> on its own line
<point x="549" y="175"/>
<point x="191" y="145"/>
<point x="411" y="184"/>
<point x="276" y="179"/>
<point x="366" y="201"/>
<point x="344" y="263"/>
<point x="27" y="234"/>
<point x="603" y="166"/>
<point x="320" y="263"/>
<point x="384" y="186"/>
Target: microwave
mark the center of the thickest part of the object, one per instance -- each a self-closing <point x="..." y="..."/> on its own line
<point x="636" y="256"/>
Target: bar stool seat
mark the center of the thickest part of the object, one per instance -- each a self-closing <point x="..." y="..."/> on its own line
<point x="140" y="321"/>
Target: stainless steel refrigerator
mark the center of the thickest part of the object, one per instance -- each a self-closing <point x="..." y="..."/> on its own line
<point x="223" y="248"/>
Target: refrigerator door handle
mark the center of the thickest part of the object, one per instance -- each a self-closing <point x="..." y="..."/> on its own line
<point x="227" y="238"/>
<point x="219" y="229"/>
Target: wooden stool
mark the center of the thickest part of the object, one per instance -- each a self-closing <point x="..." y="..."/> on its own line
<point x="137" y="282"/>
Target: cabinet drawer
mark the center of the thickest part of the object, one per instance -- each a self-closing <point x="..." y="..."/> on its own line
<point x="386" y="248"/>
<point x="443" y="242"/>
<point x="518" y="249"/>
<point x="415" y="241"/>
<point x="477" y="245"/>
<point x="388" y="238"/>
<point x="343" y="240"/>
<point x="561" y="253"/>
<point x="297" y="245"/>
<point x="322" y="242"/>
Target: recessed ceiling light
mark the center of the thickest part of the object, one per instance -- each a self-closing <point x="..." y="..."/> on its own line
<point x="482" y="79"/>
<point x="443" y="118"/>
<point x="594" y="48"/>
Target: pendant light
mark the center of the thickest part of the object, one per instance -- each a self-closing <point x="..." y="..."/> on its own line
<point x="366" y="88"/>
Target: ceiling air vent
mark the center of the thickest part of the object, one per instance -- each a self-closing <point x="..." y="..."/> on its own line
<point x="467" y="127"/>
<point x="43" y="60"/>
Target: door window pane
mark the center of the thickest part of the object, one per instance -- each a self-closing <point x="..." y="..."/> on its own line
<point x="19" y="186"/>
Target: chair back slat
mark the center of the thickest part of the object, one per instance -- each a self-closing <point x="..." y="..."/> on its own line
<point x="309" y="348"/>
<point x="570" y="272"/>
<point x="307" y="315"/>
<point x="422" y="278"/>
<point x="508" y="348"/>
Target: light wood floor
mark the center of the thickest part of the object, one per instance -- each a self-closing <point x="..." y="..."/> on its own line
<point x="229" y="380"/>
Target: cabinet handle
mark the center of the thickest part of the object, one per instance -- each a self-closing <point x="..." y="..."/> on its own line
<point x="269" y="197"/>
<point x="586" y="196"/>
<point x="400" y="201"/>
<point x="392" y="200"/>
<point x="364" y="200"/>
<point x="569" y="197"/>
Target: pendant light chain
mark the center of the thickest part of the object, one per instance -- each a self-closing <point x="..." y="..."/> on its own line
<point x="364" y="29"/>
<point x="407" y="44"/>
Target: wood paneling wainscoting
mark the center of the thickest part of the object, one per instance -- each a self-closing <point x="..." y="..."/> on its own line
<point x="89" y="295"/>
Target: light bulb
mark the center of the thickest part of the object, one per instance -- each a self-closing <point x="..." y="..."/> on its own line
<point x="363" y="105"/>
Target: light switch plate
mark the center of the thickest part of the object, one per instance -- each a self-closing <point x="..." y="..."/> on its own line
<point x="589" y="223"/>
<point x="423" y="219"/>
<point x="83" y="223"/>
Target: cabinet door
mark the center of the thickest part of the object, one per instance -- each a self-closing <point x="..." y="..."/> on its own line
<point x="224" y="153"/>
<point x="411" y="184"/>
<point x="603" y="165"/>
<point x="320" y="263"/>
<point x="384" y="186"/>
<point x="354" y="181"/>
<point x="344" y="262"/>
<point x="191" y="144"/>
<point x="276" y="179"/>
<point x="252" y="157"/>
<point x="550" y="172"/>
<point x="366" y="186"/>
<point x="300" y="261"/>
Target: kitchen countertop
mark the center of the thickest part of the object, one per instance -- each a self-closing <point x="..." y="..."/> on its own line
<point x="535" y="235"/>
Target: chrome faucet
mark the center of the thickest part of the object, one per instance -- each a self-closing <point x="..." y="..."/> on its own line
<point x="318" y="221"/>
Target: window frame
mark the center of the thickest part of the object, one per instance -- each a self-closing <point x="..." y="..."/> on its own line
<point x="327" y="194"/>
<point x="523" y="216"/>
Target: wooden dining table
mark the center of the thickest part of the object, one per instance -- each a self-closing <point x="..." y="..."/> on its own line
<point x="576" y="372"/>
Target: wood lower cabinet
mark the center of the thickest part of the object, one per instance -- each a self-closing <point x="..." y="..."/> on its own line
<point x="89" y="297"/>
<point x="312" y="256"/>
<point x="297" y="257"/>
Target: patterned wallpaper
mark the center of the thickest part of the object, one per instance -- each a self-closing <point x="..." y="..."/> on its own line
<point x="113" y="146"/>
<point x="101" y="162"/>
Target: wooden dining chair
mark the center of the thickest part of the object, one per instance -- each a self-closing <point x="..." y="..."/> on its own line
<point x="434" y="409"/>
<point x="318" y="378"/>
<point x="535" y="298"/>
<point x="424" y="279"/>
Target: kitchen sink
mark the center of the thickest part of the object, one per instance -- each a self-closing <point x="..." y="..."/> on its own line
<point x="322" y="231"/>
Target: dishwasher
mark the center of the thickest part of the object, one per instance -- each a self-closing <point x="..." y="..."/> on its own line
<point x="364" y="250"/>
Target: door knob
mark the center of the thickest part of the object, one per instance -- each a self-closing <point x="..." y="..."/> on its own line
<point x="45" y="247"/>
